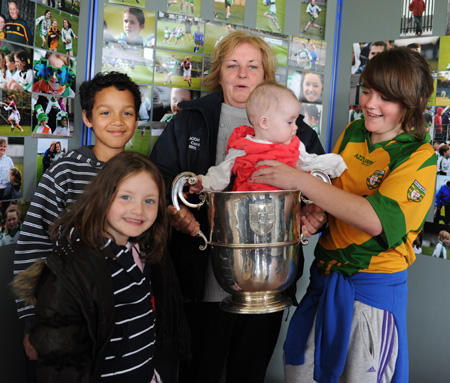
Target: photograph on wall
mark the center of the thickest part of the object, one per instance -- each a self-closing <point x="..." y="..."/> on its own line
<point x="15" y="113"/>
<point x="54" y="73"/>
<point x="178" y="69"/>
<point x="307" y="54"/>
<point x="49" y="150"/>
<point x="130" y="3"/>
<point x="128" y="26"/>
<point x="312" y="115"/>
<point x="278" y="42"/>
<point x="16" y="67"/>
<point x="140" y="142"/>
<point x="417" y="18"/>
<point x="215" y="32"/>
<point x="313" y="16"/>
<point x="185" y="7"/>
<point x="448" y="19"/>
<point x="56" y="30"/>
<point x="181" y="33"/>
<point x="433" y="241"/>
<point x="52" y="116"/>
<point x="231" y="11"/>
<point x="136" y="62"/>
<point x="11" y="171"/>
<point x="444" y="53"/>
<point x="20" y="16"/>
<point x="11" y="220"/>
<point x="270" y="15"/>
<point x="145" y="110"/>
<point x="307" y="86"/>
<point x="166" y="100"/>
<point x="362" y="52"/>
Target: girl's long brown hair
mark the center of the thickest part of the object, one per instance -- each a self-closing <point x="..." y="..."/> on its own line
<point x="88" y="214"/>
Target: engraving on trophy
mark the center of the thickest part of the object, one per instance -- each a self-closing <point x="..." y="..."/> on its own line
<point x="262" y="217"/>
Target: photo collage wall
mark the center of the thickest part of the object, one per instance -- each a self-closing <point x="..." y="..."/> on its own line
<point x="168" y="53"/>
<point x="434" y="240"/>
<point x="38" y="50"/>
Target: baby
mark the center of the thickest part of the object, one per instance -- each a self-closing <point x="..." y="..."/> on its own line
<point x="272" y="109"/>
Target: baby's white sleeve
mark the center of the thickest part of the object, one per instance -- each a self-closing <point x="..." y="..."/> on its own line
<point x="218" y="177"/>
<point x="331" y="163"/>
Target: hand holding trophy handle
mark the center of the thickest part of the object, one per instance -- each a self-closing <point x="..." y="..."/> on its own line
<point x="177" y="192"/>
<point x="325" y="178"/>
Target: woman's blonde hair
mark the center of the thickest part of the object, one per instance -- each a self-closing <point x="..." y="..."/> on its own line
<point x="227" y="45"/>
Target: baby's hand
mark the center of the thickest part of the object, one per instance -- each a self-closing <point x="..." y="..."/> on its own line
<point x="197" y="188"/>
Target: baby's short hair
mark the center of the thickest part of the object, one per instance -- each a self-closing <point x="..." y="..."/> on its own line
<point x="265" y="97"/>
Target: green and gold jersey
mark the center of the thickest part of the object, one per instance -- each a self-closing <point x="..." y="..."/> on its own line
<point x="398" y="178"/>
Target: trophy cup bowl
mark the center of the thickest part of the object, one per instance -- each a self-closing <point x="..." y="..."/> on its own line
<point x="254" y="244"/>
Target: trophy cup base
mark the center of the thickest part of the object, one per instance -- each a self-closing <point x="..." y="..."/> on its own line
<point x="255" y="303"/>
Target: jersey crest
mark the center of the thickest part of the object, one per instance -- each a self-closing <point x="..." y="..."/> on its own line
<point x="375" y="179"/>
<point x="416" y="192"/>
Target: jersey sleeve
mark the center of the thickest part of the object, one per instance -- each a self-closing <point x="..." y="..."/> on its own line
<point x="405" y="195"/>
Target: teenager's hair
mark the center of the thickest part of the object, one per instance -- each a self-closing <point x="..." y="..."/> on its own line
<point x="88" y="215"/>
<point x="402" y="75"/>
<point x="443" y="149"/>
<point x="3" y="141"/>
<point x="17" y="176"/>
<point x="227" y="45"/>
<point x="11" y="97"/>
<point x="69" y="25"/>
<point x="120" y="81"/>
<point x="47" y="11"/>
<point x="23" y="56"/>
<point x="136" y="12"/>
<point x="265" y="97"/>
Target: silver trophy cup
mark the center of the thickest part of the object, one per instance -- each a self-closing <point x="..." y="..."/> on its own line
<point x="254" y="244"/>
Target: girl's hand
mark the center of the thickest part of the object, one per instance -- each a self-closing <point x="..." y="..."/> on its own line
<point x="311" y="218"/>
<point x="29" y="349"/>
<point x="277" y="174"/>
<point x="183" y="220"/>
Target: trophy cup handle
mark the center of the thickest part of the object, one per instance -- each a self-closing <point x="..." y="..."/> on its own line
<point x="177" y="192"/>
<point x="325" y="178"/>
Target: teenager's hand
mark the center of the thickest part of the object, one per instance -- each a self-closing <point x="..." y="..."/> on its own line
<point x="311" y="218"/>
<point x="29" y="349"/>
<point x="183" y="220"/>
<point x="277" y="174"/>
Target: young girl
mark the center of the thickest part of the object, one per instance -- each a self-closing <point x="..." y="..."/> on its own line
<point x="58" y="152"/>
<point x="54" y="83"/>
<point x="2" y="26"/>
<point x="22" y="80"/>
<point x="62" y="124"/>
<point x="53" y="36"/>
<point x="187" y="67"/>
<point x="67" y="34"/>
<point x="10" y="66"/>
<point x="44" y="23"/>
<point x="94" y="304"/>
<point x="14" y="115"/>
<point x="376" y="208"/>
<point x="48" y="156"/>
<point x="3" y="68"/>
<point x="6" y="164"/>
